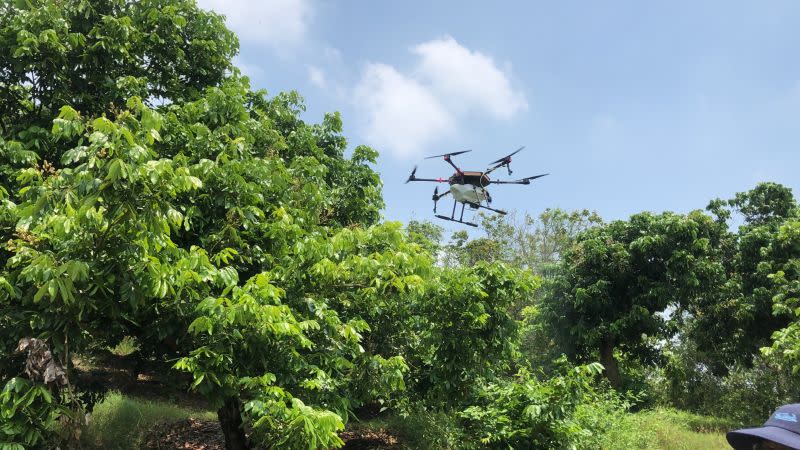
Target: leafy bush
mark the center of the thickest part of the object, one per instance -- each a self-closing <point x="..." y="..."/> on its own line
<point x="566" y="411"/>
<point x="421" y="428"/>
<point x="687" y="383"/>
<point x="467" y="332"/>
<point x="29" y="415"/>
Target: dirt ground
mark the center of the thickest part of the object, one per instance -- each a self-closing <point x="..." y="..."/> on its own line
<point x="194" y="434"/>
<point x="187" y="434"/>
<point x="119" y="373"/>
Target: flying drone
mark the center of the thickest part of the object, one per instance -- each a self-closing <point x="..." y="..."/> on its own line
<point x="469" y="188"/>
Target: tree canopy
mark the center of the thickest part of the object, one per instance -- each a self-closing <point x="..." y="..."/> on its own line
<point x="619" y="279"/>
<point x="147" y="191"/>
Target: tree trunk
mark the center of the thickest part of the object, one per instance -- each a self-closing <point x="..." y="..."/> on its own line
<point x="230" y="418"/>
<point x="609" y="362"/>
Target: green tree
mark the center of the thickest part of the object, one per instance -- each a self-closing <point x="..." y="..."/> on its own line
<point x="467" y="332"/>
<point x="730" y="327"/>
<point x="765" y="204"/>
<point x="297" y="348"/>
<point x="538" y="243"/>
<point x="463" y="251"/>
<point x="140" y="177"/>
<point x="93" y="56"/>
<point x="617" y="282"/>
<point x="427" y="234"/>
<point x="146" y="190"/>
<point x="786" y="278"/>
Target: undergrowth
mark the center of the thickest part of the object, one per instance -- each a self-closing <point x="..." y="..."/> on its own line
<point x="667" y="429"/>
<point x="121" y="422"/>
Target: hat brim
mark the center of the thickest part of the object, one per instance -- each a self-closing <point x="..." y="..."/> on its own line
<point x="745" y="438"/>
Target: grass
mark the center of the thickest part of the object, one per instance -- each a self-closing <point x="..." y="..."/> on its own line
<point x="126" y="347"/>
<point x="659" y="429"/>
<point x="667" y="429"/>
<point x="120" y="422"/>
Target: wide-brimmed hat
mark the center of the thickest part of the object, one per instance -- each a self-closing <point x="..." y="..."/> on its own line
<point x="783" y="427"/>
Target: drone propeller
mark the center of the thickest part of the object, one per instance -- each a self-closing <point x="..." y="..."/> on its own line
<point x="448" y="154"/>
<point x="411" y="177"/>
<point x="535" y="177"/>
<point x="508" y="157"/>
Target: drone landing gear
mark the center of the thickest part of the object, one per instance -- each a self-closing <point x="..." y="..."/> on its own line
<point x="456" y="220"/>
<point x="453" y="215"/>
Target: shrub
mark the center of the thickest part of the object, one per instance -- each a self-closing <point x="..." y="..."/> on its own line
<point x="566" y="411"/>
<point x="423" y="428"/>
<point x="687" y="383"/>
<point x="29" y="415"/>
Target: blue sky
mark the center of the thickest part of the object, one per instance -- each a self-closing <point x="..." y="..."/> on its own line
<point x="630" y="105"/>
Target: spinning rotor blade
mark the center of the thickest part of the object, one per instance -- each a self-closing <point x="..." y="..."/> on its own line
<point x="507" y="156"/>
<point x="411" y="177"/>
<point x="448" y="154"/>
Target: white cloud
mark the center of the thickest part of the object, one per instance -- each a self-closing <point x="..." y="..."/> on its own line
<point x="469" y="79"/>
<point x="276" y="23"/>
<point x="404" y="112"/>
<point x="401" y="115"/>
<point x="317" y="76"/>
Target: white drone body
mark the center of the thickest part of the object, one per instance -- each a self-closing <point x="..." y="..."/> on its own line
<point x="468" y="193"/>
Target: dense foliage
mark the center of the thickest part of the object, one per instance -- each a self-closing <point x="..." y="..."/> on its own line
<point x="565" y="411"/>
<point x="685" y="310"/>
<point x="618" y="277"/>
<point x="741" y="319"/>
<point x="148" y="194"/>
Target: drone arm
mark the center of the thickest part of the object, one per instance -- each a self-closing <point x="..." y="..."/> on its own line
<point x="436" y="197"/>
<point x="413" y="177"/>
<point x="435" y="180"/>
<point x="458" y="170"/>
<point x="511" y="182"/>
